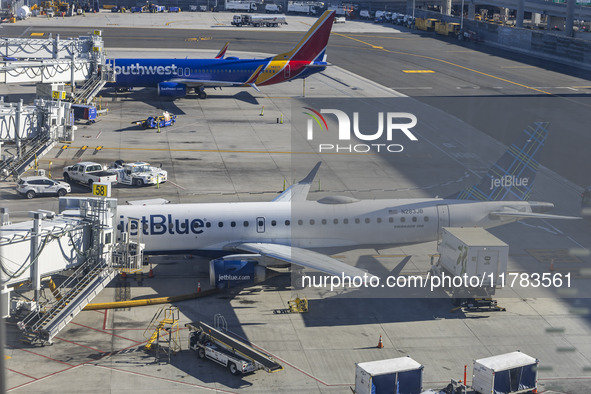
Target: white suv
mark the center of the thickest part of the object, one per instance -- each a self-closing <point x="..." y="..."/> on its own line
<point x="32" y="185"/>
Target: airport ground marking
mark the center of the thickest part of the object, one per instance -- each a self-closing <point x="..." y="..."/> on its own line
<point x="418" y="71"/>
<point x="228" y="151"/>
<point x="37" y="34"/>
<point x="446" y="62"/>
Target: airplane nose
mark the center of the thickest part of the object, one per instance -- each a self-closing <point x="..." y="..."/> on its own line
<point x="541" y="207"/>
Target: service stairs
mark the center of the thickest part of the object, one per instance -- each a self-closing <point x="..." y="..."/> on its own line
<point x="92" y="87"/>
<point x="76" y="292"/>
<point x="33" y="149"/>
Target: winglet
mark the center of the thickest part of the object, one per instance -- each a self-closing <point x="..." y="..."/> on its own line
<point x="310" y="177"/>
<point x="314" y="41"/>
<point x="222" y="51"/>
<point x="299" y="191"/>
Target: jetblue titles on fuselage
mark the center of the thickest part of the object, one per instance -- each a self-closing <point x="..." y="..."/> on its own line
<point x="157" y="224"/>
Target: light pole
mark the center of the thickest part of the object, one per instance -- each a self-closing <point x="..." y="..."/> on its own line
<point x="462" y="16"/>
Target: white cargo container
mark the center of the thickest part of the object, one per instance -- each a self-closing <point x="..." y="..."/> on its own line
<point x="474" y="252"/>
<point x="396" y="375"/>
<point x="509" y="373"/>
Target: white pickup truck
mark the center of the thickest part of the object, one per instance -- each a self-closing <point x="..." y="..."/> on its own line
<point x="88" y="173"/>
<point x="139" y="173"/>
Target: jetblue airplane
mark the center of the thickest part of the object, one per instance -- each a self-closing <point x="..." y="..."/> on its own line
<point x="173" y="77"/>
<point x="287" y="228"/>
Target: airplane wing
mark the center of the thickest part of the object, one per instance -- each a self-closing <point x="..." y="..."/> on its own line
<point x="299" y="191"/>
<point x="529" y="215"/>
<point x="302" y="257"/>
<point x="195" y="83"/>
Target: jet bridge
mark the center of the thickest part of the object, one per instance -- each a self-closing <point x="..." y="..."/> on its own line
<point x="55" y="60"/>
<point x="80" y="240"/>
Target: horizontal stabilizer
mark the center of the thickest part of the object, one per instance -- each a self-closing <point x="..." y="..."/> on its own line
<point x="529" y="215"/>
<point x="302" y="257"/>
<point x="299" y="191"/>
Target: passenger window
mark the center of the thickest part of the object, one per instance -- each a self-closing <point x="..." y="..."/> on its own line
<point x="346" y="221"/>
<point x="379" y="220"/>
<point x="323" y="221"/>
<point x="300" y="222"/>
<point x="414" y="218"/>
<point x="232" y="224"/>
<point x="391" y="220"/>
<point x="367" y="220"/>
<point x="357" y="221"/>
<point x="208" y="224"/>
<point x="245" y="223"/>
<point x="221" y="224"/>
<point x="312" y="222"/>
<point x="336" y="221"/>
<point x="273" y="223"/>
<point x="426" y="218"/>
<point x="287" y="222"/>
<point x="402" y="220"/>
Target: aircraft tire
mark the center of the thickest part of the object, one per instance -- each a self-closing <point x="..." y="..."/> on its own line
<point x="202" y="95"/>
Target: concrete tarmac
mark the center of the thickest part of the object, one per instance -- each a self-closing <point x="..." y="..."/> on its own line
<point x="233" y="147"/>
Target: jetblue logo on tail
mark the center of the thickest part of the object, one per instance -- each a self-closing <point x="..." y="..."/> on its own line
<point x="508" y="181"/>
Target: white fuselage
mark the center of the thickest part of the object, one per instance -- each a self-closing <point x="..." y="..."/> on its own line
<point x="306" y="224"/>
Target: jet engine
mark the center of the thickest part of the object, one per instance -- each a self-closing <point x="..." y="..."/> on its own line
<point x="234" y="270"/>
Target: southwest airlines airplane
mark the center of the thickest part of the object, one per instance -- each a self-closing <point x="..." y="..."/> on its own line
<point x="286" y="229"/>
<point x="173" y="77"/>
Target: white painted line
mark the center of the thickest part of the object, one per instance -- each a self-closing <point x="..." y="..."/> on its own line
<point x="179" y="186"/>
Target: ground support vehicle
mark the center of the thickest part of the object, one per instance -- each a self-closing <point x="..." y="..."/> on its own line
<point x="477" y="255"/>
<point x="88" y="173"/>
<point x="32" y="186"/>
<point x="138" y="173"/>
<point x="216" y="345"/>
<point x="153" y="122"/>
<point x="259" y="20"/>
<point x="241" y="6"/>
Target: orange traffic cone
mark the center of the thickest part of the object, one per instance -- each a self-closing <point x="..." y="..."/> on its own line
<point x="151" y="273"/>
<point x="198" y="287"/>
<point x="535" y="391"/>
<point x="380" y="343"/>
<point x="123" y="274"/>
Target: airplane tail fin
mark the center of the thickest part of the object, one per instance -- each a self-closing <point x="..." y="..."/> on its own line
<point x="314" y="42"/>
<point x="512" y="176"/>
<point x="222" y="51"/>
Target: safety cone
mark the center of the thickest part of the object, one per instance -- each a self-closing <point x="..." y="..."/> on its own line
<point x="151" y="273"/>
<point x="123" y="274"/>
<point x="535" y="391"/>
<point x="380" y="343"/>
<point x="198" y="287"/>
<point x="552" y="265"/>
